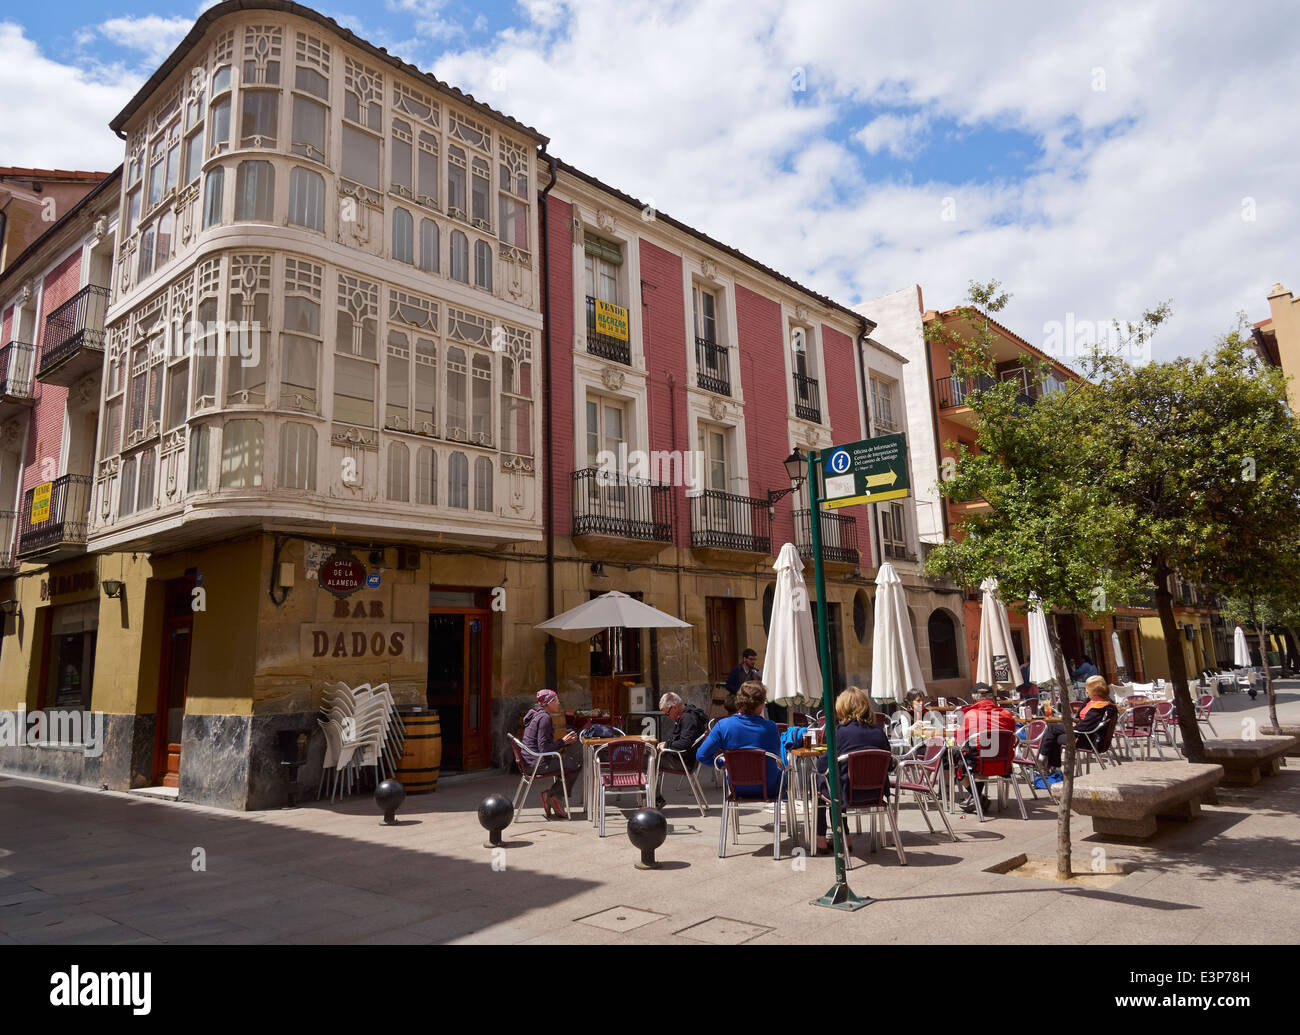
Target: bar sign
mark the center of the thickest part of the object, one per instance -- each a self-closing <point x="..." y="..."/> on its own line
<point x="41" y="503"/>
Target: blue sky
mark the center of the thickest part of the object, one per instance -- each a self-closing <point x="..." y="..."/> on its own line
<point x="1082" y="156"/>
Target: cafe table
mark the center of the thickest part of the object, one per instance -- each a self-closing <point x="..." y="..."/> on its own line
<point x="801" y="789"/>
<point x="589" y="749"/>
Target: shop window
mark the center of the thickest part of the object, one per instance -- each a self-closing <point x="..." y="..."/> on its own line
<point x="73" y="633"/>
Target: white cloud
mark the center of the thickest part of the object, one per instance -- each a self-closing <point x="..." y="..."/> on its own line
<point x="153" y="36"/>
<point x="900" y="135"/>
<point x="58" y="114"/>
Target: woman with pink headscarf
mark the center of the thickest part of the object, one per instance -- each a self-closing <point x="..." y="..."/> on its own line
<point x="539" y="739"/>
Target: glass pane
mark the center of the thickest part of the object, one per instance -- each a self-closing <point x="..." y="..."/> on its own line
<point x="360" y="157"/>
<point x="308" y="128"/>
<point x="354" y="392"/>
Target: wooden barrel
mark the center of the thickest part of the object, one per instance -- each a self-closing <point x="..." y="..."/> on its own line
<point x="417" y="770"/>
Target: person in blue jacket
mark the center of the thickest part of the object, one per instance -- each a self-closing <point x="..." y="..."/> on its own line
<point x="746" y="729"/>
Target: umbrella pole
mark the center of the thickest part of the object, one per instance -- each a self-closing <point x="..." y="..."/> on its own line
<point x="841" y="896"/>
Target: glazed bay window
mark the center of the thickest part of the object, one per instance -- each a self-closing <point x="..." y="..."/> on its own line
<point x="483" y="478"/>
<point x="255" y="192"/>
<point x="399" y="473"/>
<point x="360" y="157"/>
<point x="459" y="257"/>
<point x="426" y="476"/>
<point x="200" y="443"/>
<point x="457" y="391"/>
<point x="483" y="265"/>
<point x="145" y="395"/>
<point x="259" y="124"/>
<point x="311" y="91"/>
<point x="458" y="481"/>
<point x="411" y="361"/>
<point x="206" y="346"/>
<point x="402" y="159"/>
<point x="516" y="392"/>
<point x="480" y="193"/>
<point x="513" y="197"/>
<point x="474" y="331"/>
<point x="297" y="456"/>
<point x="219" y="126"/>
<point x="250" y="307"/>
<point x="403" y="236"/>
<point x="178" y="382"/>
<point x="356" y="363"/>
<point x="457" y="167"/>
<point x="308" y="131"/>
<point x="241" y="454"/>
<point x="363" y="119"/>
<point x="262" y="54"/>
<point x="307" y="199"/>
<point x="428" y="246"/>
<point x="300" y="340"/>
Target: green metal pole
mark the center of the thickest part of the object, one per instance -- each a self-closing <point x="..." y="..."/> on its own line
<point x="841" y="896"/>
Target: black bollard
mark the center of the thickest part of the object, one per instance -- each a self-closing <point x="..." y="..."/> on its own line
<point x="647" y="830"/>
<point x="495" y="814"/>
<point x="389" y="796"/>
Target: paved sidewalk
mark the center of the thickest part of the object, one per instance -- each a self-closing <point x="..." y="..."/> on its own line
<point x="83" y="866"/>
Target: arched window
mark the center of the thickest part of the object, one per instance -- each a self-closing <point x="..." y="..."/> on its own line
<point x="297" y="456"/>
<point x="458" y="481"/>
<point x="483" y="265"/>
<point x="481" y="398"/>
<point x="399" y="472"/>
<point x="307" y="199"/>
<point x="459" y="257"/>
<point x="769" y="597"/>
<point x="483" y="484"/>
<point x="862" y="617"/>
<point x="255" y="192"/>
<point x="943" y="646"/>
<point x="426" y="476"/>
<point x="403" y="236"/>
<point x="212" y="196"/>
<point x="428" y="246"/>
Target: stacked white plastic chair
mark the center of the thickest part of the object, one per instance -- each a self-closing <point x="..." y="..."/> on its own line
<point x="362" y="731"/>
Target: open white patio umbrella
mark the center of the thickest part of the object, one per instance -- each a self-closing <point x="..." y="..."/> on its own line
<point x="895" y="668"/>
<point x="791" y="668"/>
<point x="996" y="663"/>
<point x="610" y="610"/>
<point x="1119" y="654"/>
<point x="1240" y="649"/>
<point x="1042" y="665"/>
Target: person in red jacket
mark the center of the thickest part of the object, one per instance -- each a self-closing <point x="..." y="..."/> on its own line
<point x="981" y="717"/>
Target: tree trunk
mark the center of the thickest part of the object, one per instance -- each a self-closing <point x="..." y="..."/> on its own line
<point x="1268" y="677"/>
<point x="1184" y="705"/>
<point x="1063" y="845"/>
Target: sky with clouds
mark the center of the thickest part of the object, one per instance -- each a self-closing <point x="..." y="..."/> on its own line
<point x="1096" y="158"/>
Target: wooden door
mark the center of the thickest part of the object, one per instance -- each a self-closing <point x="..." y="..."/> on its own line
<point x="460" y="684"/>
<point x="724" y="644"/>
<point x="173" y="682"/>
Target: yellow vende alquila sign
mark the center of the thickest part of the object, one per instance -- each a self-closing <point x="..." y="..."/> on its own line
<point x="41" y="503"/>
<point x="611" y="320"/>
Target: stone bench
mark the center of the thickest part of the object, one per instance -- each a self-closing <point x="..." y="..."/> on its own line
<point x="1247" y="761"/>
<point x="1284" y="731"/>
<point x="1125" y="800"/>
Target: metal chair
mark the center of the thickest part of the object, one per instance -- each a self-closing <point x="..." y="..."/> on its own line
<point x="1167" y="721"/>
<point x="529" y="774"/>
<point x="747" y="767"/>
<point x="923" y="777"/>
<point x="993" y="763"/>
<point x="1140" y="724"/>
<point x="867" y="793"/>
<point x="623" y="772"/>
<point x="684" y="771"/>
<point x="1203" y="707"/>
<point x="1026" y="754"/>
<point x="1090" y="744"/>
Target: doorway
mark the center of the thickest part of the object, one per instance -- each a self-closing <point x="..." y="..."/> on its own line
<point x="724" y="646"/>
<point x="459" y="678"/>
<point x="173" y="682"/>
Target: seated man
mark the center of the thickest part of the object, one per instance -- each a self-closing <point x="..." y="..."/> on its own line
<point x="746" y="729"/>
<point x="689" y="723"/>
<point x="984" y="715"/>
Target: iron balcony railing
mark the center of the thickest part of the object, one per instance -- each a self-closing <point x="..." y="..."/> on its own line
<point x="16" y="368"/>
<point x="66" y="520"/>
<point x="614" y="505"/>
<point x="8" y="522"/>
<point x="956" y="391"/>
<point x="726" y="521"/>
<point x="807" y="399"/>
<point x="713" y="373"/>
<point x="77" y="324"/>
<point x="839" y="534"/>
<point x="603" y="345"/>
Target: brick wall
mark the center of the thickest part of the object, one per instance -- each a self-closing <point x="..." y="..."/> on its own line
<point x="5" y="336"/>
<point x="762" y="372"/>
<point x="663" y="323"/>
<point x="46" y="441"/>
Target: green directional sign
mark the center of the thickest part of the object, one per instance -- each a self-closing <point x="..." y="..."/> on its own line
<point x="869" y="471"/>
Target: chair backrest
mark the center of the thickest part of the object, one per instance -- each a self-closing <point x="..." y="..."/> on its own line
<point x="1101" y="735"/>
<point x="625" y="756"/>
<point x="1206" y="702"/>
<point x="746" y="767"/>
<point x="996" y="749"/>
<point x="868" y="774"/>
<point x="1034" y="731"/>
<point x="1164" y="709"/>
<point x="1142" y="718"/>
<point x="518" y="748"/>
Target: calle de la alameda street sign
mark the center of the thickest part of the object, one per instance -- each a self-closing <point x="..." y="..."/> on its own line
<point x="869" y="471"/>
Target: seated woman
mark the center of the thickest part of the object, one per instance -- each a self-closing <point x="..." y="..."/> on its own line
<point x="1094" y="715"/>
<point x="746" y="729"/>
<point x="539" y="739"/>
<point x="855" y="730"/>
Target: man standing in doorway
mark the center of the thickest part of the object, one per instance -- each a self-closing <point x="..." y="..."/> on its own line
<point x="742" y="674"/>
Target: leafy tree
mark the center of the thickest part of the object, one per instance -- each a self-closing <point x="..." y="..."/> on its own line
<point x="1267" y="596"/>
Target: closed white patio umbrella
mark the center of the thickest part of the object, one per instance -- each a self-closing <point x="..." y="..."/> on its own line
<point x="995" y="642"/>
<point x="791" y="667"/>
<point x="1042" y="666"/>
<point x="610" y="610"/>
<point x="895" y="668"/>
<point x="1240" y="649"/>
<point x="1119" y="654"/>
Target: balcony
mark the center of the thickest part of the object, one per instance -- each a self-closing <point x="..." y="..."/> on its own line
<point x="610" y="513"/>
<point x="712" y="371"/>
<point x="73" y="342"/>
<point x="807" y="398"/>
<point x="56" y="529"/>
<point x="725" y="521"/>
<point x="1027" y="393"/>
<point x="606" y="346"/>
<point x="8" y="522"/>
<point x="17" y="364"/>
<point x="839" y="534"/>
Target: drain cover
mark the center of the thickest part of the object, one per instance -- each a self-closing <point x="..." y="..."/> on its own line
<point x="721" y="930"/>
<point x="621" y="918"/>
